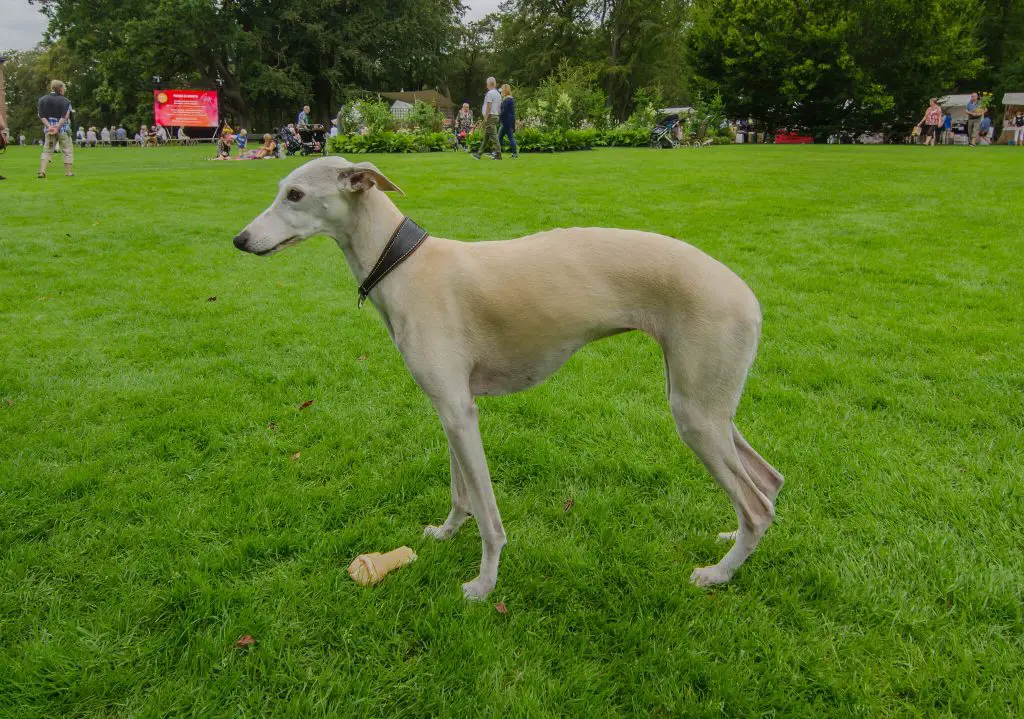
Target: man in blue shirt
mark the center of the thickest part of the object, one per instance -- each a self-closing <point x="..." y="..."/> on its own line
<point x="54" y="111"/>
<point x="974" y="114"/>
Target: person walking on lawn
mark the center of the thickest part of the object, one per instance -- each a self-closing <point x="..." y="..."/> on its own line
<point x="54" y="112"/>
<point x="508" y="119"/>
<point x="492" y="107"/>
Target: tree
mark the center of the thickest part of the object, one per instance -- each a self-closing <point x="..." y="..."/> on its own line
<point x="823" y="65"/>
<point x="268" y="58"/>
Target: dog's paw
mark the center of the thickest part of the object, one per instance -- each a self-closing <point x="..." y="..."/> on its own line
<point x="478" y="589"/>
<point x="728" y="536"/>
<point x="709" y="576"/>
<point x="440" y="533"/>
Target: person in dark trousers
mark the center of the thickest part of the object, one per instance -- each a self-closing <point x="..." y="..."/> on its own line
<point x="507" y="119"/>
<point x="491" y="108"/>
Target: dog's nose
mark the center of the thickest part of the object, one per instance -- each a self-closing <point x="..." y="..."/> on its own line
<point x="242" y="239"/>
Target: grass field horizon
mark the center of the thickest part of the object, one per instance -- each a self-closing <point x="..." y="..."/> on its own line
<point x="152" y="511"/>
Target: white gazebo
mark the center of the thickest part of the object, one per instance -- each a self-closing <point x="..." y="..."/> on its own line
<point x="400" y="108"/>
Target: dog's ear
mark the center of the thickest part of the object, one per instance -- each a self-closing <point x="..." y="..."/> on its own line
<point x="362" y="176"/>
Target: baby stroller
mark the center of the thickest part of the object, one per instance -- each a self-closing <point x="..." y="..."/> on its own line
<point x="288" y="142"/>
<point x="663" y="135"/>
<point x="459" y="140"/>
<point x="313" y="140"/>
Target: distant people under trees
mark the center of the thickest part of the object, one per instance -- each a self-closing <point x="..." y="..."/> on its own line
<point x="303" y="119"/>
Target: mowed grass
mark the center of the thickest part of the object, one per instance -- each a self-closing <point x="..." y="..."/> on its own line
<point x="151" y="511"/>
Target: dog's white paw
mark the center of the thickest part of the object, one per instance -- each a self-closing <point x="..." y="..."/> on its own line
<point x="709" y="576"/>
<point x="440" y="533"/>
<point x="478" y="589"/>
<point x="728" y="536"/>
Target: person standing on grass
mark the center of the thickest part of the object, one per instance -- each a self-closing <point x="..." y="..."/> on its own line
<point x="507" y="119"/>
<point x="1018" y="128"/>
<point x="947" y="129"/>
<point x="54" y="111"/>
<point x="931" y="121"/>
<point x="491" y="109"/>
<point x="974" y="113"/>
<point x="4" y="133"/>
<point x="303" y="119"/>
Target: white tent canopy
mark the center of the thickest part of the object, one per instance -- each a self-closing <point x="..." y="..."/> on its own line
<point x="1013" y="98"/>
<point x="956" y="106"/>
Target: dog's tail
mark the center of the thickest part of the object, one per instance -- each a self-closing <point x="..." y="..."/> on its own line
<point x="765" y="476"/>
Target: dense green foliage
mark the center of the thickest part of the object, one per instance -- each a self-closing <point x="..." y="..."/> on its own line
<point x="826" y="66"/>
<point x="151" y="514"/>
<point x="272" y="57"/>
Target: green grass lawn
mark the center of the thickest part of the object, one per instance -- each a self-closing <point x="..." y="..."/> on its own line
<point x="151" y="512"/>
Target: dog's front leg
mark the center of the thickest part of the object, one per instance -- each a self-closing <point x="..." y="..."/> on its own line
<point x="460" y="505"/>
<point x="459" y="417"/>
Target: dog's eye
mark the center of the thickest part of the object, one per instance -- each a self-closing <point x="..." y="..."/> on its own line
<point x="295" y="195"/>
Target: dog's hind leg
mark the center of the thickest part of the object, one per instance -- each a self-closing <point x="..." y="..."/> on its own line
<point x="765" y="476"/>
<point x="460" y="505"/>
<point x="707" y="373"/>
<point x="710" y="436"/>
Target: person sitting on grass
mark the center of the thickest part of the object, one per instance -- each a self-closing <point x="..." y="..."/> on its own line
<point x="985" y="128"/>
<point x="227" y="138"/>
<point x="267" y="151"/>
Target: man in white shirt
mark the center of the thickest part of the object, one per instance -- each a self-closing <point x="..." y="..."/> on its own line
<point x="492" y="106"/>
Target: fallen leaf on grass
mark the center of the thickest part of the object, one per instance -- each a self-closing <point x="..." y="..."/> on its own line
<point x="500" y="608"/>
<point x="245" y="641"/>
<point x="9" y="401"/>
<point x="271" y="426"/>
<point x="295" y="457"/>
<point x="307" y="403"/>
<point x="212" y="299"/>
<point x="568" y="505"/>
<point x="362" y="358"/>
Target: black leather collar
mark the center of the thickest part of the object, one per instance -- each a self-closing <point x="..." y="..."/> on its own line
<point x="403" y="243"/>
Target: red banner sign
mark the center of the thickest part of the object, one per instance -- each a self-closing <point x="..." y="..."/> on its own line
<point x="191" y="108"/>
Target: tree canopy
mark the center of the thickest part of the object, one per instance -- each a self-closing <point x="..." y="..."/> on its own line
<point x="819" y="64"/>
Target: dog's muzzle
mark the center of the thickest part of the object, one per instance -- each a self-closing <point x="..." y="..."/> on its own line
<point x="241" y="240"/>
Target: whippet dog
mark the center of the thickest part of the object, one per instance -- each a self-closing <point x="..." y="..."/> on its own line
<point x="490" y="318"/>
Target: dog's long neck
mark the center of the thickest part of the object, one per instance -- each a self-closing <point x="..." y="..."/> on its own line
<point x="374" y="219"/>
<point x="373" y="222"/>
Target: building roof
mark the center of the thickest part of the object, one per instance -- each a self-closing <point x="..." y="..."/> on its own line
<point x="954" y="100"/>
<point x="432" y="97"/>
<point x="1013" y="98"/>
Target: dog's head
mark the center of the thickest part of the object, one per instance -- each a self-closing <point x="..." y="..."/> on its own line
<point x="316" y="198"/>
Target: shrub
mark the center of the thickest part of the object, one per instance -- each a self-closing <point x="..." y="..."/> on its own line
<point x="626" y="135"/>
<point x="568" y="98"/>
<point x="389" y="142"/>
<point x="424" y="117"/>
